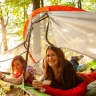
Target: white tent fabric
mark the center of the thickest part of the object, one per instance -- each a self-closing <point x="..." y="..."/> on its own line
<point x="75" y="31"/>
<point x="6" y="57"/>
<point x="72" y="30"/>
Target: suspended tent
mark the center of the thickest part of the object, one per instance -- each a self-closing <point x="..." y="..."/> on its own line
<point x="72" y="28"/>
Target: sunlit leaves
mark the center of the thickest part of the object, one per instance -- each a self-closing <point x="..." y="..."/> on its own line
<point x="55" y="2"/>
<point x="15" y="11"/>
<point x="89" y="5"/>
<point x="69" y="4"/>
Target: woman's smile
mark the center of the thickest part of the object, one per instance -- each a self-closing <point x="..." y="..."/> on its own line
<point x="52" y="58"/>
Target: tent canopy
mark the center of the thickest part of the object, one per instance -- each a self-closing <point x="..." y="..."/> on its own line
<point x="72" y="28"/>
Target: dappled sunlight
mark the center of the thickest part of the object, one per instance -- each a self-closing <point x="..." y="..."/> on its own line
<point x="2" y="0"/>
<point x="65" y="30"/>
<point x="92" y="50"/>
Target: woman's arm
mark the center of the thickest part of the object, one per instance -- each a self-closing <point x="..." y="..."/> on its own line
<point x="37" y="84"/>
<point x="15" y="80"/>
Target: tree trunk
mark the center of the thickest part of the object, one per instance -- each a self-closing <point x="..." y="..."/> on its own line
<point x="4" y="40"/>
<point x="36" y="4"/>
<point x="42" y="3"/>
<point x="79" y="4"/>
<point x="3" y="26"/>
<point x="36" y="33"/>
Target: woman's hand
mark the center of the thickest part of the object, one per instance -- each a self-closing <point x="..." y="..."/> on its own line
<point x="37" y="84"/>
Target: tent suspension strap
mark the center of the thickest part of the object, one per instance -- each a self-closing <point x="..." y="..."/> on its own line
<point x="29" y="36"/>
<point x="46" y="35"/>
<point x="41" y="18"/>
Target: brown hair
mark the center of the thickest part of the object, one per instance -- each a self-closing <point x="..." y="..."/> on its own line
<point x="17" y="57"/>
<point x="49" y="72"/>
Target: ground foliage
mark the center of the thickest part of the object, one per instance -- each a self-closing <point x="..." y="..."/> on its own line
<point x="7" y="89"/>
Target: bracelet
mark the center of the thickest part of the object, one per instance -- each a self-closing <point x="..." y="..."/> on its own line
<point x="3" y="76"/>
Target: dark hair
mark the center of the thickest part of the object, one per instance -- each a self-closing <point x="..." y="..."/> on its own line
<point x="17" y="57"/>
<point x="49" y="72"/>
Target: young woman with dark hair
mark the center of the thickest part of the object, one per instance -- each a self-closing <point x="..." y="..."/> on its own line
<point x="58" y="71"/>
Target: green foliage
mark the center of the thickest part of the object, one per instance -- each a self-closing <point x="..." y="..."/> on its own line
<point x="89" y="5"/>
<point x="55" y="2"/>
<point x="15" y="11"/>
<point x="92" y="64"/>
<point x="69" y="4"/>
<point x="60" y="2"/>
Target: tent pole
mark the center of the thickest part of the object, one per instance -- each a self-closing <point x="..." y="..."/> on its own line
<point x="29" y="36"/>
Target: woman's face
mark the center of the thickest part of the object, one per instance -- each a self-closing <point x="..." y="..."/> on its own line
<point x="17" y="66"/>
<point x="51" y="58"/>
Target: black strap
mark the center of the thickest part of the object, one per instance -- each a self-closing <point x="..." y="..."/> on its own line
<point x="46" y="35"/>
